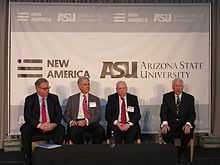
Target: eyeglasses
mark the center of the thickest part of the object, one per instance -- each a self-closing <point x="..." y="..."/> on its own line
<point x="46" y="88"/>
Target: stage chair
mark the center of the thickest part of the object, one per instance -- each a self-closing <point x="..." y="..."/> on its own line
<point x="191" y="145"/>
<point x="38" y="139"/>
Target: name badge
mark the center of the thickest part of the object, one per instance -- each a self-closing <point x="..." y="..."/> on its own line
<point x="92" y="104"/>
<point x="130" y="109"/>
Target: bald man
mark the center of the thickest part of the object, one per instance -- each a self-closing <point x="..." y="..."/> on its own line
<point x="122" y="114"/>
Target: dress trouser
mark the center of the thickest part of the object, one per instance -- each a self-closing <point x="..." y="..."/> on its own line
<point x="177" y="132"/>
<point x="28" y="131"/>
<point x="75" y="133"/>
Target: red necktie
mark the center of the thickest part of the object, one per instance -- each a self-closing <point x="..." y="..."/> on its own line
<point x="43" y="111"/>
<point x="85" y="107"/>
<point x="123" y="112"/>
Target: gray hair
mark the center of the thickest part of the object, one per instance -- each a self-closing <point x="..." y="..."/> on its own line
<point x="177" y="79"/>
<point x="82" y="79"/>
<point x="120" y="82"/>
<point x="39" y="81"/>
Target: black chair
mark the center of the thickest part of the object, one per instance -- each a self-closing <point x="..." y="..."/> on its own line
<point x="190" y="144"/>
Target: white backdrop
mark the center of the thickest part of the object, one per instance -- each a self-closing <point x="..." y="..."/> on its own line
<point x="145" y="45"/>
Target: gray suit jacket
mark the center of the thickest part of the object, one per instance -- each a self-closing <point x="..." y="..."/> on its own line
<point x="72" y="108"/>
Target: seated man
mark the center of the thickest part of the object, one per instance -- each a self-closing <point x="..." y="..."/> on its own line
<point x="42" y="115"/>
<point x="177" y="116"/>
<point x="123" y="114"/>
<point x="83" y="113"/>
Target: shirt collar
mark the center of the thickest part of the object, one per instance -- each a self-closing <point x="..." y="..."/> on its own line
<point x="81" y="94"/>
<point x="40" y="97"/>
<point x="180" y="95"/>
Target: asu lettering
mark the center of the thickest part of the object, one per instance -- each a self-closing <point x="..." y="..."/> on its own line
<point x="119" y="70"/>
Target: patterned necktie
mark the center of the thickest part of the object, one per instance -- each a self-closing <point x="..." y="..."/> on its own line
<point x="123" y="112"/>
<point x="85" y="107"/>
<point x="178" y="104"/>
<point x="43" y="111"/>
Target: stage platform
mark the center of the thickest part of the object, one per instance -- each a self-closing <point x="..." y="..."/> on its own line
<point x="202" y="156"/>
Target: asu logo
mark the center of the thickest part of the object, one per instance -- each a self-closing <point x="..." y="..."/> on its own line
<point x="162" y="17"/>
<point x="66" y="17"/>
<point x="119" y="70"/>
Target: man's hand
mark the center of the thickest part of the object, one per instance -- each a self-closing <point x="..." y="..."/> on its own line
<point x="51" y="126"/>
<point x="47" y="126"/>
<point x="186" y="128"/>
<point x="165" y="129"/>
<point x="123" y="127"/>
<point x="120" y="125"/>
<point x="81" y="123"/>
<point x="73" y="123"/>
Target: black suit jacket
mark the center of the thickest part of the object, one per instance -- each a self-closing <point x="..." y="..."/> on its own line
<point x="32" y="109"/>
<point x="112" y="108"/>
<point x="186" y="112"/>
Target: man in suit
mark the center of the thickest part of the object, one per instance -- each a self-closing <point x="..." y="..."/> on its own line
<point x="177" y="116"/>
<point x="123" y="114"/>
<point x="83" y="113"/>
<point x="42" y="115"/>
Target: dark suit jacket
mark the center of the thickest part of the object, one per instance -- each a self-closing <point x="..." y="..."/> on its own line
<point x="186" y="113"/>
<point x="112" y="108"/>
<point x="32" y="109"/>
<point x="72" y="108"/>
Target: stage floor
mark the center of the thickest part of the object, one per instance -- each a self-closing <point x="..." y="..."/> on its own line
<point x="202" y="156"/>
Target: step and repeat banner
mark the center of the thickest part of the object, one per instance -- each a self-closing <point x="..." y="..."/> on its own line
<point x="146" y="45"/>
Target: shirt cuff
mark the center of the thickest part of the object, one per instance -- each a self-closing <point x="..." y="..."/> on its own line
<point x="130" y="123"/>
<point x="71" y="123"/>
<point x="164" y="123"/>
<point x="87" y="121"/>
<point x="115" y="122"/>
<point x="38" y="126"/>
<point x="188" y="123"/>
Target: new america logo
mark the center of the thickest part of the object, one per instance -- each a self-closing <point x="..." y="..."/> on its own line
<point x="33" y="68"/>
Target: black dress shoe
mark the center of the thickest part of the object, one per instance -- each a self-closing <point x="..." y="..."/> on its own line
<point x="28" y="161"/>
<point x="182" y="157"/>
<point x="28" y="158"/>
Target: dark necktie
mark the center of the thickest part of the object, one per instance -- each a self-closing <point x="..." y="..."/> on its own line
<point x="178" y="104"/>
<point x="43" y="111"/>
<point x="85" y="107"/>
<point x="123" y="111"/>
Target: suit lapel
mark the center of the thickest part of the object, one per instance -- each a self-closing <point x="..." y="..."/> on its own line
<point x="117" y="102"/>
<point x="89" y="99"/>
<point x="49" y="102"/>
<point x="37" y="105"/>
<point x="128" y="99"/>
<point x="182" y="103"/>
<point x="77" y="104"/>
<point x="173" y="102"/>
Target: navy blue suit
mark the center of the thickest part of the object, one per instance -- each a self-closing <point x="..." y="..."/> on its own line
<point x="32" y="116"/>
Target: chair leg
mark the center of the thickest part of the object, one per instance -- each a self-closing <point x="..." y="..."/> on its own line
<point x="138" y="141"/>
<point x="191" y="149"/>
<point x="35" y="143"/>
<point x="33" y="146"/>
